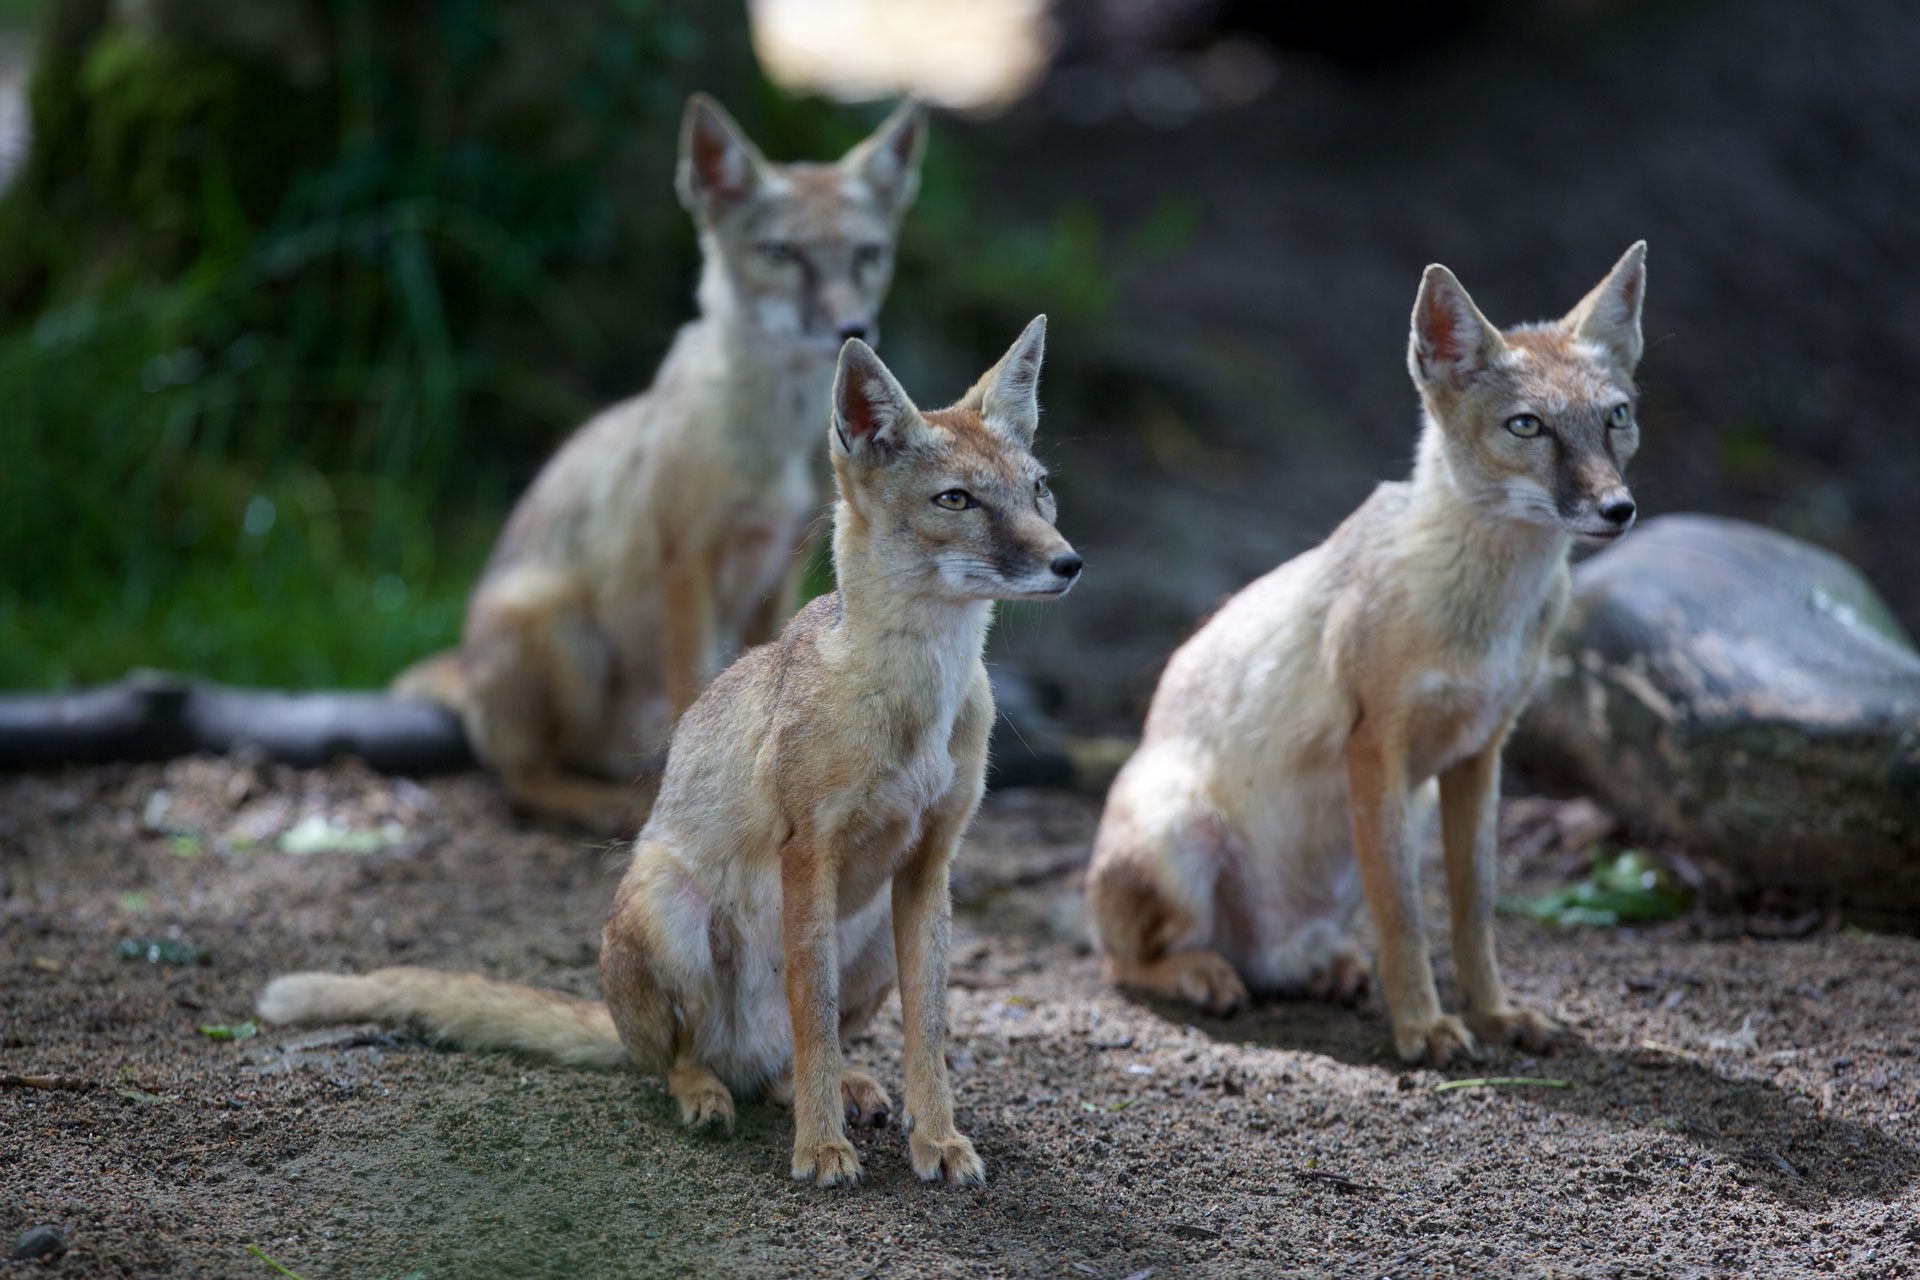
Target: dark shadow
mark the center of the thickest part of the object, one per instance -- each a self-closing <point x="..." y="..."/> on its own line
<point x="1778" y="1139"/>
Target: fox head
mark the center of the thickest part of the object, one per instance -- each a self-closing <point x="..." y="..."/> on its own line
<point x="1536" y="423"/>
<point x="951" y="503"/>
<point x="803" y="253"/>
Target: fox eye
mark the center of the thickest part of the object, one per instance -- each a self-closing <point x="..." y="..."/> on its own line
<point x="955" y="500"/>
<point x="1620" y="416"/>
<point x="1040" y="486"/>
<point x="778" y="251"/>
<point x="1524" y="425"/>
<point x="867" y="255"/>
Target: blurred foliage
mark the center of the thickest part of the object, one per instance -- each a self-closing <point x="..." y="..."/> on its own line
<point x="293" y="300"/>
<point x="1626" y="888"/>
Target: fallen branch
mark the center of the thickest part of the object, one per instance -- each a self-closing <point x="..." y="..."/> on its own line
<point x="1335" y="1180"/>
<point x="154" y="716"/>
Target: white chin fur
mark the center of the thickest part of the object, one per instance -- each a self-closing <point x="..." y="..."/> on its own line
<point x="1038" y="587"/>
<point x="1052" y="588"/>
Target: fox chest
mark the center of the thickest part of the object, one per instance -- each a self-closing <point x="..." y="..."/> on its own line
<point x="891" y="821"/>
<point x="759" y="545"/>
<point x="1453" y="716"/>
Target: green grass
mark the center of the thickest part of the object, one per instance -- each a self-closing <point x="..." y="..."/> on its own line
<point x="21" y="15"/>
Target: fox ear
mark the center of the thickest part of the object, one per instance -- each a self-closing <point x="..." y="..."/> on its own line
<point x="719" y="167"/>
<point x="872" y="416"/>
<point x="1008" y="395"/>
<point x="888" y="160"/>
<point x="1451" y="340"/>
<point x="1609" y="317"/>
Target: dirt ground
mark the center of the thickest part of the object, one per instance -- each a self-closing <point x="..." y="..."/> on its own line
<point x="1735" y="1106"/>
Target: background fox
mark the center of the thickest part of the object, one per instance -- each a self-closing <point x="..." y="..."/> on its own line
<point x="1303" y="724"/>
<point x="664" y="533"/>
<point x="797" y="856"/>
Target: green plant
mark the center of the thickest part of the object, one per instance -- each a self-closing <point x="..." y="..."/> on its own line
<point x="1628" y="888"/>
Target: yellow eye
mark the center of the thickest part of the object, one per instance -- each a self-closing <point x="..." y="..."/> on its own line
<point x="954" y="500"/>
<point x="1524" y="425"/>
<point x="1620" y="416"/>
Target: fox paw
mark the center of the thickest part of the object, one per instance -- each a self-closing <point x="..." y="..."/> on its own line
<point x="1438" y="1041"/>
<point x="705" y="1105"/>
<point x="830" y="1162"/>
<point x="1517" y="1024"/>
<point x="1206" y="979"/>
<point x="867" y="1104"/>
<point x="951" y="1158"/>
<point x="1342" y="980"/>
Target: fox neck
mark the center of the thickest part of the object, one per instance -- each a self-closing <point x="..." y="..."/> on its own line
<point x="1494" y="561"/>
<point x="920" y="644"/>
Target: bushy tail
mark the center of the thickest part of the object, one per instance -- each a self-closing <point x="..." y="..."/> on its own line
<point x="440" y="678"/>
<point x="461" y="1009"/>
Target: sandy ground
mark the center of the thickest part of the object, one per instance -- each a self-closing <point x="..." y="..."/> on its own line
<point x="1737" y="1106"/>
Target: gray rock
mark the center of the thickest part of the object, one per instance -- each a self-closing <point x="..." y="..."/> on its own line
<point x="1748" y="698"/>
<point x="39" y="1242"/>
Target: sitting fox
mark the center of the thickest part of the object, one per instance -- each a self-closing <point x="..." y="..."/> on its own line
<point x="1287" y="757"/>
<point x="814" y="796"/>
<point x="664" y="534"/>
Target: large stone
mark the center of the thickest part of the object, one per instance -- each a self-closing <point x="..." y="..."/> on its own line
<point x="1748" y="698"/>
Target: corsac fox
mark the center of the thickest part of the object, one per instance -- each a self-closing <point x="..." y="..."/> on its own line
<point x="1288" y="757"/>
<point x="664" y="535"/>
<point x="797" y="856"/>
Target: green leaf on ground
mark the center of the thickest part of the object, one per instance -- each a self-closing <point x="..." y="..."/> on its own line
<point x="231" y="1031"/>
<point x="315" y="834"/>
<point x="262" y="1254"/>
<point x="1629" y="888"/>
<point x="1503" y="1082"/>
<point x="175" y="951"/>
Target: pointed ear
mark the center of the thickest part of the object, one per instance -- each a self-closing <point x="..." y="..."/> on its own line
<point x="889" y="159"/>
<point x="1008" y="395"/>
<point x="719" y="167"/>
<point x="873" y="420"/>
<point x="1451" y="340"/>
<point x="1609" y="317"/>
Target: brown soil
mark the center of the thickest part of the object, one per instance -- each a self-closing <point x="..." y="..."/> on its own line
<point x="1737" y="1106"/>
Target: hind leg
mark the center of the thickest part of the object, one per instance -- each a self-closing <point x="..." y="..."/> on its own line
<point x="1343" y="979"/>
<point x="705" y="1101"/>
<point x="1202" y="978"/>
<point x="865" y="1104"/>
<point x="1151" y="888"/>
<point x="539" y="673"/>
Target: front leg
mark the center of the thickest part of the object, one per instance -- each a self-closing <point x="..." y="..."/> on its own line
<point x="1469" y="811"/>
<point x="688" y="622"/>
<point x="1378" y="794"/>
<point x="808" y="917"/>
<point x="922" y="934"/>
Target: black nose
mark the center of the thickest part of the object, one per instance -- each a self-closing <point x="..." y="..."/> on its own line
<point x="1067" y="566"/>
<point x="853" y="331"/>
<point x="1617" y="510"/>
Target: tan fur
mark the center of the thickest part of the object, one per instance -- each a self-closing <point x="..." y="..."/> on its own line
<point x="1289" y="759"/>
<point x="669" y="531"/>
<point x="797" y="858"/>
